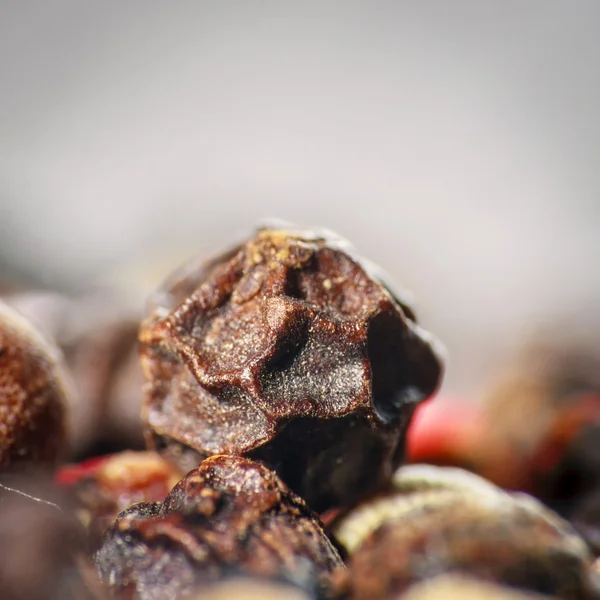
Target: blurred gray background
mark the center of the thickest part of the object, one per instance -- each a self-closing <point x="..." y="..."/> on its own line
<point x="455" y="143"/>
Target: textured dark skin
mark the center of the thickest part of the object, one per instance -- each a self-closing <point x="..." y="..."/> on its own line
<point x="32" y="394"/>
<point x="229" y="516"/>
<point x="502" y="539"/>
<point x="287" y="349"/>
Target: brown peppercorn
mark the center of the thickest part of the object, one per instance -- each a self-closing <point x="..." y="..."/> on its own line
<point x="461" y="524"/>
<point x="97" y="333"/>
<point x="289" y="350"/>
<point x="228" y="516"/>
<point x="33" y="394"/>
<point x="555" y="450"/>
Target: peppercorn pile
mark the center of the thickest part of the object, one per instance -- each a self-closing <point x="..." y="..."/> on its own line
<point x="276" y="387"/>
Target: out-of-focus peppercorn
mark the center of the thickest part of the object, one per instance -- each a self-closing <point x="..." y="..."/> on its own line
<point x="230" y="515"/>
<point x="41" y="544"/>
<point x="33" y="393"/>
<point x="556" y="447"/>
<point x="97" y="333"/>
<point x="250" y="589"/>
<point x="106" y="486"/>
<point x="537" y="430"/>
<point x="447" y="520"/>
<point x="456" y="587"/>
<point x="286" y="349"/>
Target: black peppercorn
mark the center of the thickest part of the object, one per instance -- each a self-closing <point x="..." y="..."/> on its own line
<point x="286" y="349"/>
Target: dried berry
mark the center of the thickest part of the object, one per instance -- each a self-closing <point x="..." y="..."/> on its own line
<point x="230" y="515"/>
<point x="104" y="487"/>
<point x="97" y="333"/>
<point x="460" y="523"/>
<point x="558" y="458"/>
<point x="412" y="486"/>
<point x="444" y="433"/>
<point x="556" y="387"/>
<point x="289" y="350"/>
<point x="538" y="431"/>
<point x="33" y="393"/>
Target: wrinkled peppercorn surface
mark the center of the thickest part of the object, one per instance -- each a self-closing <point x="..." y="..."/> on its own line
<point x="287" y="349"/>
<point x="230" y="515"/>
